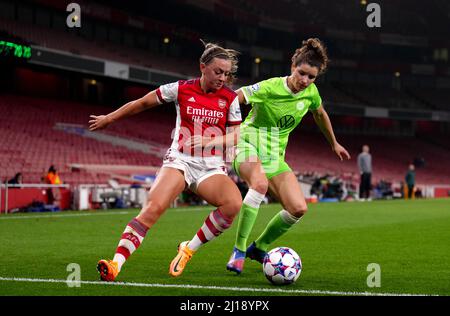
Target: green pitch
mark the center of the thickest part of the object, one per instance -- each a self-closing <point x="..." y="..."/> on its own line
<point x="409" y="240"/>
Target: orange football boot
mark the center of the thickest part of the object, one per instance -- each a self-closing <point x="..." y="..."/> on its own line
<point x="108" y="270"/>
<point x="179" y="262"/>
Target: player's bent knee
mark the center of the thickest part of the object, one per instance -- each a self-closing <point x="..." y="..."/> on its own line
<point x="260" y="186"/>
<point x="231" y="208"/>
<point x="299" y="210"/>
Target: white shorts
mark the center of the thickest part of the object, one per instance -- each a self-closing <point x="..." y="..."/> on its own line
<point x="195" y="169"/>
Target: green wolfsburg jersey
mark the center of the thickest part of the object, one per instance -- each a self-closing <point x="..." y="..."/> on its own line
<point x="275" y="112"/>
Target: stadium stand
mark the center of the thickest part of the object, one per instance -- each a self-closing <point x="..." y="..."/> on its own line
<point x="122" y="47"/>
<point x="432" y="98"/>
<point x="325" y="13"/>
<point x="384" y="97"/>
<point x="74" y="44"/>
<point x="309" y="151"/>
<point x="30" y="142"/>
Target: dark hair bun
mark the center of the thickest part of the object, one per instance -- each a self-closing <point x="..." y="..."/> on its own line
<point x="312" y="43"/>
<point x="312" y="52"/>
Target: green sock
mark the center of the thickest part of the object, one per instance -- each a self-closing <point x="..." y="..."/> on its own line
<point x="277" y="227"/>
<point x="247" y="217"/>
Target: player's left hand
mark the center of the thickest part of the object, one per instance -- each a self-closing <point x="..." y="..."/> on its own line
<point x="341" y="152"/>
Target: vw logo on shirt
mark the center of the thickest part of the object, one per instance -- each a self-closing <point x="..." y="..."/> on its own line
<point x="286" y="121"/>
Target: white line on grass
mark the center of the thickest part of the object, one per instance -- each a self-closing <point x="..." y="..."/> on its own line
<point x="215" y="288"/>
<point x="5" y="217"/>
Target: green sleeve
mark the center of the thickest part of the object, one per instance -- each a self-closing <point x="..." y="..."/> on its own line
<point x="255" y="93"/>
<point x="316" y="100"/>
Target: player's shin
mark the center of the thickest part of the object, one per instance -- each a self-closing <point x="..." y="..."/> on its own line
<point x="131" y="239"/>
<point x="215" y="224"/>
<point x="277" y="227"/>
<point x="247" y="217"/>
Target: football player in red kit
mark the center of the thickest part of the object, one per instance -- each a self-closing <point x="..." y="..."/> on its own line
<point x="205" y="108"/>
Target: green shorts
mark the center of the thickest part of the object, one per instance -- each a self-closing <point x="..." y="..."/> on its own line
<point x="273" y="165"/>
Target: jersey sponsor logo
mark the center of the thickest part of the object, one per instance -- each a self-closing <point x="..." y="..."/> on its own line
<point x="286" y="121"/>
<point x="300" y="105"/>
<point x="203" y="119"/>
<point x="204" y="115"/>
<point x="204" y="112"/>
<point x="191" y="99"/>
<point x="222" y="103"/>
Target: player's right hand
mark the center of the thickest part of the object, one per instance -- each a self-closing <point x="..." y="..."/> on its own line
<point x="195" y="142"/>
<point x="341" y="152"/>
<point x="98" y="122"/>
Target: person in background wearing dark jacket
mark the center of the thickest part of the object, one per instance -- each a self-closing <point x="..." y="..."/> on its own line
<point x="365" y="169"/>
<point x="17" y="179"/>
<point x="410" y="180"/>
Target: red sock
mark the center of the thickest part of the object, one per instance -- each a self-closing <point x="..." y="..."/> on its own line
<point x="131" y="239"/>
<point x="213" y="226"/>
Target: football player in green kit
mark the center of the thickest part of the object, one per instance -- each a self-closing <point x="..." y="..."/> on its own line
<point x="278" y="106"/>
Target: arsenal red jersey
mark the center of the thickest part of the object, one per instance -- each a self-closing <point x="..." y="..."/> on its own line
<point x="200" y="113"/>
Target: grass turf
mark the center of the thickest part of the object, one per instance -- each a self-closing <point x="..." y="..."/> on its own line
<point x="336" y="241"/>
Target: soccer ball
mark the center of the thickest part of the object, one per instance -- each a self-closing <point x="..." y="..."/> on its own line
<point x="282" y="266"/>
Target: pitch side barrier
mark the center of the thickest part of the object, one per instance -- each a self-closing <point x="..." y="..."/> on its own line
<point x="13" y="196"/>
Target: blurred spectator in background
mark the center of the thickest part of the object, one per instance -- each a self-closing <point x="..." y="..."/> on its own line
<point x="365" y="169"/>
<point x="17" y="179"/>
<point x="383" y="190"/>
<point x="52" y="177"/>
<point x="410" y="180"/>
<point x="328" y="187"/>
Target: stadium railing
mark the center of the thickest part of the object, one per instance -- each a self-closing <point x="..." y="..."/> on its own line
<point x="16" y="196"/>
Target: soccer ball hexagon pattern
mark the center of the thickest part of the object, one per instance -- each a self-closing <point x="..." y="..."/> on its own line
<point x="282" y="266"/>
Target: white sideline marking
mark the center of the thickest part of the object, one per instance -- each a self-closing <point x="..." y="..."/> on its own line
<point x="217" y="288"/>
<point x="4" y="217"/>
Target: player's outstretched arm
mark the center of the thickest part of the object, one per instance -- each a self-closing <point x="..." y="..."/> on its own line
<point x="228" y="140"/>
<point x="323" y="121"/>
<point x="241" y="97"/>
<point x="102" y="121"/>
